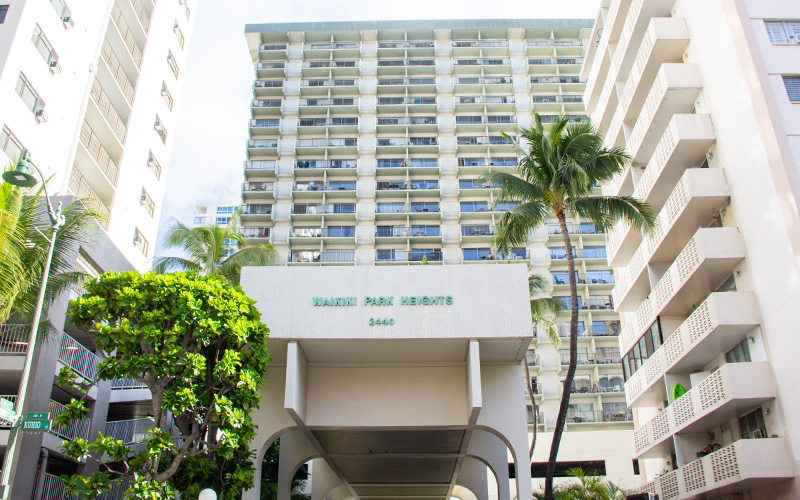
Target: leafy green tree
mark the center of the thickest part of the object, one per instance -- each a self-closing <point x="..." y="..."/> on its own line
<point x="24" y="240"/>
<point x="559" y="169"/>
<point x="206" y="250"/>
<point x="586" y="486"/>
<point x="199" y="346"/>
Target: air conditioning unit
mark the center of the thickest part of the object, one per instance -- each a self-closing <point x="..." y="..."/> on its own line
<point x="55" y="67"/>
<point x="41" y="115"/>
<point x="68" y="22"/>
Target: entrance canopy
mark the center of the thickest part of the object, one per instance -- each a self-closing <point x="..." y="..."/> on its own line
<point x="400" y="382"/>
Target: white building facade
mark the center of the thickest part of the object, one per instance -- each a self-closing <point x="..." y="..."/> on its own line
<point x="220" y="212"/>
<point x="705" y="96"/>
<point x="367" y="142"/>
<point x="90" y="90"/>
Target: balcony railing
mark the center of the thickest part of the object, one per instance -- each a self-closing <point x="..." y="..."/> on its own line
<point x="118" y="384"/>
<point x="385" y="101"/>
<point x="255" y="187"/>
<point x="416" y="255"/>
<point x="554" y="60"/>
<point x="262" y="143"/>
<point x="545" y="99"/>
<point x="485" y="61"/>
<point x="479" y="43"/>
<point x="259" y="165"/>
<point x="257" y="209"/>
<point x="323" y="256"/>
<point x="327" y="63"/>
<point x="255" y="232"/>
<point x="76" y="428"/>
<point x="578" y="417"/>
<point x="578" y="253"/>
<point x="382" y="63"/>
<point x="272" y="46"/>
<point x="336" y="101"/>
<point x="407" y="81"/>
<point x="303" y="164"/>
<point x="268" y="84"/>
<point x="406" y="44"/>
<point x="582" y="228"/>
<point x="328" y="122"/>
<point x="265" y="122"/>
<point x="127" y="36"/>
<point x="14" y="339"/>
<point x="556" y="79"/>
<point x="403" y="185"/>
<point x="271" y="65"/>
<point x="88" y="196"/>
<point x="266" y="103"/>
<point x="421" y="207"/>
<point x="402" y="231"/>
<point x="107" y="109"/>
<point x="546" y="42"/>
<point x="482" y="141"/>
<point x="405" y="163"/>
<point x="484" y="80"/>
<point x="329" y="82"/>
<point x="320" y="209"/>
<point x="480" y="254"/>
<point x="116" y="70"/>
<point x="325" y="143"/>
<point x="331" y="45"/>
<point x="80" y="359"/>
<point x="478" y="230"/>
<point x="482" y="120"/>
<point x="408" y="141"/>
<point x="324" y="186"/>
<point x="92" y="144"/>
<point x="591" y="277"/>
<point x="487" y="99"/>
<point x="482" y="162"/>
<point x="129" y="431"/>
<point x="326" y="232"/>
<point x="407" y="120"/>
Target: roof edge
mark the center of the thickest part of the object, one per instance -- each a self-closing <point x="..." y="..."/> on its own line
<point x="418" y="25"/>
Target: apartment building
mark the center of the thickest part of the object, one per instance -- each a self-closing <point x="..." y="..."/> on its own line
<point x="90" y="90"/>
<point x="219" y="212"/>
<point x="705" y="96"/>
<point x="367" y="144"/>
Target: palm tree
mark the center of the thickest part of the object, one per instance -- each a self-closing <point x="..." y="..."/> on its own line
<point x="540" y="309"/>
<point x="558" y="174"/>
<point x="206" y="250"/>
<point x="589" y="486"/>
<point x="24" y="240"/>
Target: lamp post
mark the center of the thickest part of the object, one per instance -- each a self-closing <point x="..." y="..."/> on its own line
<point x="21" y="176"/>
<point x="207" y="494"/>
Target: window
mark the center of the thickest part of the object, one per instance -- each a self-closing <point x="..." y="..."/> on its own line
<point x="28" y="94"/>
<point x="178" y="33"/>
<point x="153" y="165"/>
<point x="139" y="241"/>
<point x="173" y="64"/>
<point x="43" y="46"/>
<point x="159" y="128"/>
<point x="752" y="425"/>
<point x="167" y="96"/>
<point x="792" y="84"/>
<point x="224" y="210"/>
<point x="223" y="221"/>
<point x="783" y="31"/>
<point x="740" y="353"/>
<point x="61" y="8"/>
<point x="199" y="221"/>
<point x="3" y="12"/>
<point x="539" y="469"/>
<point x="147" y="202"/>
<point x="10" y="144"/>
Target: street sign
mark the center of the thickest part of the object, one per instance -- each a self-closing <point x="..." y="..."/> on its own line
<point x="35" y="425"/>
<point x="38" y="416"/>
<point x="4" y="403"/>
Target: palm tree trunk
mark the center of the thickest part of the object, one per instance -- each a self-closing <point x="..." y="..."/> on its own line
<point x="529" y="387"/>
<point x="573" y="360"/>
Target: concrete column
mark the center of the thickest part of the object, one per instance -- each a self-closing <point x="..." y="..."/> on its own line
<point x="472" y="478"/>
<point x="323" y="479"/>
<point x="296" y="450"/>
<point x="492" y="451"/>
<point x="97" y="423"/>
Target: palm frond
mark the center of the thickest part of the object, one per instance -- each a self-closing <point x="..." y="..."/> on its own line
<point x="516" y="224"/>
<point x="604" y="211"/>
<point x="169" y="264"/>
<point x="259" y="255"/>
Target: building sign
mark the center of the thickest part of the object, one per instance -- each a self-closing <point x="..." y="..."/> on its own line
<point x="424" y="300"/>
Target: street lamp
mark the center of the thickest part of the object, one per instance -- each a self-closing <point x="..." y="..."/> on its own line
<point x="207" y="494"/>
<point x="21" y="176"/>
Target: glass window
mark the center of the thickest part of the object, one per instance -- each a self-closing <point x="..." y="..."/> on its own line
<point x="42" y="45"/>
<point x="792" y="84"/>
<point x="140" y="242"/>
<point x="225" y="210"/>
<point x="166" y="95"/>
<point x="173" y="64"/>
<point x="147" y="202"/>
<point x="61" y="8"/>
<point x="10" y="144"/>
<point x="178" y="33"/>
<point x="159" y="128"/>
<point x="783" y="31"/>
<point x="3" y="12"/>
<point x="28" y="94"/>
<point x="752" y="426"/>
<point x="729" y="285"/>
<point x="740" y="353"/>
<point x="223" y="221"/>
<point x="153" y="165"/>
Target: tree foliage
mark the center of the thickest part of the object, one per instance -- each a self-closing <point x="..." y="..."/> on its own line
<point x="559" y="170"/>
<point x="24" y="241"/>
<point x="206" y="250"/>
<point x="200" y="348"/>
<point x="585" y="486"/>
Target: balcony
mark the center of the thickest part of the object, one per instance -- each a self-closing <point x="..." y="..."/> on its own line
<point x="330" y="211"/>
<point x="417" y="84"/>
<point x="599" y="416"/>
<point x="400" y="66"/>
<point x="416" y="234"/>
<point x="402" y="211"/>
<point x="467" y="144"/>
<point x="256" y="234"/>
<point x="254" y="212"/>
<point x="258" y="191"/>
<point x="271" y="68"/>
<point x="95" y="161"/>
<point x="505" y="103"/>
<point x="76" y="429"/>
<point x="479" y="44"/>
<point x="479" y="233"/>
<point x="272" y="50"/>
<point x="265" y="126"/>
<point x="314" y="105"/>
<point x="584" y="229"/>
<point x="699" y="196"/>
<point x="479" y="123"/>
<point x="595" y="254"/>
<point x="260" y="107"/>
<point x="327" y="50"/>
<point x="331" y="67"/>
<point x="717" y="325"/>
<point x="88" y="197"/>
<point x="407" y="123"/>
<point x="665" y="42"/>
<point x="411" y="188"/>
<point x="675" y="89"/>
<point x="329" y="86"/>
<point x="387" y="145"/>
<point x="412" y="165"/>
<point x="743" y="465"/>
<point x="484" y="255"/>
<point x="131" y="431"/>
<point x="406" y="48"/>
<point x="313" y="168"/>
<point x="733" y="390"/>
<point x="118" y="79"/>
<point x="332" y="145"/>
<point x="125" y="41"/>
<point x="262" y="147"/>
<point x="268" y="87"/>
<point x="316" y="189"/>
<point x="319" y="125"/>
<point x="535" y="63"/>
<point x="260" y="168"/>
<point x="413" y="256"/>
<point x="338" y="234"/>
<point x="416" y="104"/>
<point x="105" y="120"/>
<point x="474" y="65"/>
<point x="334" y="257"/>
<point x="78" y="358"/>
<point x="478" y="84"/>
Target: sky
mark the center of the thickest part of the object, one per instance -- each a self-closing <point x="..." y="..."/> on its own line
<point x="209" y="138"/>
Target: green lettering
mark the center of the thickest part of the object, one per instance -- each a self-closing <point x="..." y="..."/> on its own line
<point x="326" y="302"/>
<point x="449" y="300"/>
<point x="403" y="301"/>
<point x="367" y="301"/>
<point x="413" y="301"/>
<point x="382" y="301"/>
<point x="389" y="301"/>
<point x="426" y="301"/>
<point x="317" y="301"/>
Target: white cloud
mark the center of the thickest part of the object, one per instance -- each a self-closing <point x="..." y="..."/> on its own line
<point x="211" y="131"/>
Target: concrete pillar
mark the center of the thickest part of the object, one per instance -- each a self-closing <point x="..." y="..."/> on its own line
<point x="491" y="450"/>
<point x="296" y="450"/>
<point x="472" y="478"/>
<point x="323" y="479"/>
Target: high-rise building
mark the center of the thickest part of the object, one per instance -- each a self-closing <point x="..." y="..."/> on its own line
<point x="220" y="212"/>
<point x="367" y="145"/>
<point x="91" y="90"/>
<point x="705" y="96"/>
